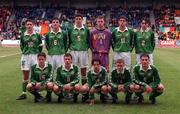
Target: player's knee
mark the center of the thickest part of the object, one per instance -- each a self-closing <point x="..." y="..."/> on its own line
<point x="30" y="87"/>
<point x="109" y="88"/>
<point x="50" y="86"/>
<point x="84" y="89"/>
<point x="77" y="87"/>
<point x="160" y="88"/>
<point x="131" y="87"/>
<point x="137" y="88"/>
<point x="92" y="90"/>
<point x="56" y="89"/>
<point x="104" y="89"/>
<point x="38" y="86"/>
<point x="67" y="88"/>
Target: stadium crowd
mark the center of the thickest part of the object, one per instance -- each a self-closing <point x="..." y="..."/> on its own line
<point x="11" y="28"/>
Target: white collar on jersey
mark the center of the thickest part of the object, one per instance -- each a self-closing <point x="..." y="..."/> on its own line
<point x="46" y="65"/>
<point x="141" y="68"/>
<point x="59" y="31"/>
<point x="82" y="27"/>
<point x="63" y="67"/>
<point x="122" y="72"/>
<point x="141" y="30"/>
<point x="92" y="70"/>
<point x="126" y="29"/>
<point x="26" y="33"/>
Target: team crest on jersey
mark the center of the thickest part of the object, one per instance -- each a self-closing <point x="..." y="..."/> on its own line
<point x="42" y="77"/>
<point x="59" y="36"/>
<point x="83" y="32"/>
<point x="34" y="38"/>
<point x="51" y="36"/>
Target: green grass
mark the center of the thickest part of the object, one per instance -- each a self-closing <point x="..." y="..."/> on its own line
<point x="166" y="60"/>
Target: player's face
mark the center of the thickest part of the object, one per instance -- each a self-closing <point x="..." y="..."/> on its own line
<point x="120" y="66"/>
<point x="29" y="26"/>
<point x="96" y="66"/>
<point x="41" y="60"/>
<point x="100" y="23"/>
<point x="55" y="24"/>
<point x="145" y="61"/>
<point x="122" y="22"/>
<point x="143" y="24"/>
<point x="67" y="60"/>
<point x="78" y="20"/>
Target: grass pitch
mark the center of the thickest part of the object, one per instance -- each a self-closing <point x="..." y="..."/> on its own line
<point x="166" y="60"/>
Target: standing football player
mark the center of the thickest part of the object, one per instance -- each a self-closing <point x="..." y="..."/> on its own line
<point x="31" y="45"/>
<point x="78" y="45"/>
<point x="144" y="42"/>
<point x="56" y="44"/>
<point x="123" y="42"/>
<point x="100" y="42"/>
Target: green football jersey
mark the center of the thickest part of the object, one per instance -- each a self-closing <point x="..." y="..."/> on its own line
<point x="56" y="44"/>
<point x="151" y="76"/>
<point x="31" y="44"/>
<point x="144" y="42"/>
<point x="122" y="41"/>
<point x="42" y="75"/>
<point x="65" y="76"/>
<point x="117" y="78"/>
<point x="79" y="39"/>
<point x="96" y="80"/>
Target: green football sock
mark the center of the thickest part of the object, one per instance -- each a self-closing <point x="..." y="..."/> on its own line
<point x="24" y="84"/>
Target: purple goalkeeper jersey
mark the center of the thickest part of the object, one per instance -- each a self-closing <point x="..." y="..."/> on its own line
<point x="100" y="40"/>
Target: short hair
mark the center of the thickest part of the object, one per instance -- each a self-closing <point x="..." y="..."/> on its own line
<point x="55" y="18"/>
<point x="68" y="55"/>
<point x="120" y="61"/>
<point x="100" y="17"/>
<point x="146" y="21"/>
<point x="95" y="60"/>
<point x="29" y="20"/>
<point x="42" y="54"/>
<point x="144" y="55"/>
<point x="123" y="17"/>
<point x="79" y="15"/>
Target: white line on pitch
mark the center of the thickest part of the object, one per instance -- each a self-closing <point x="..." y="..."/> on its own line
<point x="9" y="55"/>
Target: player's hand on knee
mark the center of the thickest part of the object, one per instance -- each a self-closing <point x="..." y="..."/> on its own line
<point x="160" y="87"/>
<point x="84" y="88"/>
<point x="67" y="88"/>
<point x="50" y="86"/>
<point x="104" y="89"/>
<point x="77" y="87"/>
<point x="30" y="87"/>
<point x="149" y="89"/>
<point x="137" y="88"/>
<point x="56" y="88"/>
<point x="92" y="90"/>
<point x="38" y="86"/>
<point x="131" y="88"/>
<point x="121" y="88"/>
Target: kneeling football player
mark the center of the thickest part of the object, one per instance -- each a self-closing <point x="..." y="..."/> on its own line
<point x="120" y="81"/>
<point x="147" y="80"/>
<point x="41" y="78"/>
<point x="97" y="81"/>
<point x="67" y="79"/>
